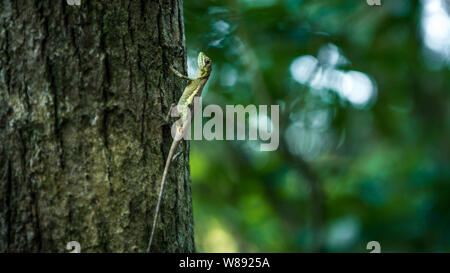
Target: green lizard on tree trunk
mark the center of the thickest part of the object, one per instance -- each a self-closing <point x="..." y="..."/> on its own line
<point x="185" y="105"/>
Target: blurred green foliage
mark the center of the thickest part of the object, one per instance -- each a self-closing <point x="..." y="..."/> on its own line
<point x="382" y="163"/>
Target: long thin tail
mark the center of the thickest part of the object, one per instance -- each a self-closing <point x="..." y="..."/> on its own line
<point x="172" y="150"/>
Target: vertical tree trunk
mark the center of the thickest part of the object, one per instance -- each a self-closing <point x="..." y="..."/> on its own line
<point x="82" y="89"/>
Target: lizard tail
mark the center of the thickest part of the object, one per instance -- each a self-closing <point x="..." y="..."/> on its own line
<point x="172" y="150"/>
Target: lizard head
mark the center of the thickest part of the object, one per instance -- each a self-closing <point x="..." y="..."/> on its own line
<point x="204" y="63"/>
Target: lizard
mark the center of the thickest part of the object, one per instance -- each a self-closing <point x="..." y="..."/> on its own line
<point x="185" y="104"/>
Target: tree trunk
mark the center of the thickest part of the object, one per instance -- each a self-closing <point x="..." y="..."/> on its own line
<point x="82" y="89"/>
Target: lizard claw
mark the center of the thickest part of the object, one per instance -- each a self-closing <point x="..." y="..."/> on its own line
<point x="177" y="155"/>
<point x="164" y="119"/>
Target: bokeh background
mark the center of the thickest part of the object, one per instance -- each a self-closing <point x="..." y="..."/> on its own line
<point x="364" y="143"/>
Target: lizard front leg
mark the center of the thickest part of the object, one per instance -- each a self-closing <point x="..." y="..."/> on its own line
<point x="179" y="75"/>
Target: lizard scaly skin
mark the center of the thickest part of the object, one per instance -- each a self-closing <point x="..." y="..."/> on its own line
<point x="193" y="89"/>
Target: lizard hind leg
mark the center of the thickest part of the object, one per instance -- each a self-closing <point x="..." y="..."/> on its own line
<point x="183" y="151"/>
<point x="164" y="119"/>
<point x="169" y="113"/>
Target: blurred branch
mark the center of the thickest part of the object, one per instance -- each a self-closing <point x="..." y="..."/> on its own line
<point x="447" y="6"/>
<point x="296" y="161"/>
<point x="317" y="196"/>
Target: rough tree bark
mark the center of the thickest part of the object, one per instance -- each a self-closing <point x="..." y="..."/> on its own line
<point x="81" y="149"/>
